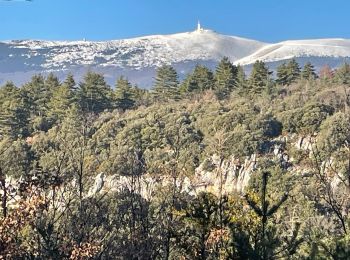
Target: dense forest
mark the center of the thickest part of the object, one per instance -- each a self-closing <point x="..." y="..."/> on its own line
<point x="221" y="165"/>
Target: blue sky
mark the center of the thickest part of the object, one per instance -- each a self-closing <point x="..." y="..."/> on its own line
<point x="269" y="20"/>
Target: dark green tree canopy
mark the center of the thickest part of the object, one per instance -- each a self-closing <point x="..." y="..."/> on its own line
<point x="70" y="82"/>
<point x="288" y="73"/>
<point x="94" y="94"/>
<point x="166" y="83"/>
<point x="124" y="94"/>
<point x="308" y="72"/>
<point x="225" y="78"/>
<point x="259" y="79"/>
<point x="13" y="112"/>
<point x="200" y="79"/>
<point x="342" y="74"/>
<point x="38" y="94"/>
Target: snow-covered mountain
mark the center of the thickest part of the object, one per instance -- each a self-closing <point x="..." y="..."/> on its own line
<point x="327" y="48"/>
<point x="138" y="58"/>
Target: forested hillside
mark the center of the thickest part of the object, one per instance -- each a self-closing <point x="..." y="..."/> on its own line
<point x="222" y="165"/>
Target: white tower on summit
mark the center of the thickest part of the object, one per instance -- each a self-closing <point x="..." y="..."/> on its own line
<point x="199" y="28"/>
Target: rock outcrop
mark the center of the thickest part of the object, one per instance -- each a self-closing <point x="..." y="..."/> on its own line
<point x="213" y="175"/>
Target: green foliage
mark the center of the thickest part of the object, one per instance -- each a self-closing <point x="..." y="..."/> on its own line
<point x="14" y="158"/>
<point x="200" y="217"/>
<point x="166" y="84"/>
<point x="124" y="94"/>
<point x="288" y="73"/>
<point x="66" y="145"/>
<point x="334" y="132"/>
<point x="342" y="74"/>
<point x="259" y="80"/>
<point x="241" y="79"/>
<point x="94" y="95"/>
<point x="62" y="99"/>
<point x="70" y="82"/>
<point x="13" y="112"/>
<point x="308" y="72"/>
<point x="199" y="80"/>
<point x="38" y="93"/>
<point x="225" y="78"/>
<point x="306" y="119"/>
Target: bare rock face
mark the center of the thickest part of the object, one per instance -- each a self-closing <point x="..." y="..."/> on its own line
<point x="214" y="175"/>
<point x="305" y="143"/>
<point x="218" y="175"/>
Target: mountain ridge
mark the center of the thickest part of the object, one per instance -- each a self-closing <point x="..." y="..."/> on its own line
<point x="137" y="58"/>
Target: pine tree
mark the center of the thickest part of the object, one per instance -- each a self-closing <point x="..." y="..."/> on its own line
<point x="38" y="95"/>
<point x="13" y="113"/>
<point x="342" y="74"/>
<point x="293" y="71"/>
<point x="282" y="74"/>
<point x="241" y="79"/>
<point x="265" y="245"/>
<point x="94" y="94"/>
<point x="259" y="80"/>
<point x="288" y="73"/>
<point x="200" y="79"/>
<point x="124" y="94"/>
<point x="62" y="99"/>
<point x="166" y="83"/>
<point x="51" y="82"/>
<point x="70" y="82"/>
<point x="142" y="97"/>
<point x="308" y="72"/>
<point x="225" y="78"/>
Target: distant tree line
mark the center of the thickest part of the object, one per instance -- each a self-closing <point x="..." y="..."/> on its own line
<point x="43" y="101"/>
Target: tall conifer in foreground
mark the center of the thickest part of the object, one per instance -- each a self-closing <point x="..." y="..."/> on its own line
<point x="94" y="94"/>
<point x="225" y="78"/>
<point x="166" y="84"/>
<point x="308" y="72"/>
<point x="124" y="94"/>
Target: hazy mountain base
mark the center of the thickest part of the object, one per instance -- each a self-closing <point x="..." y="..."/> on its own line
<point x="142" y="77"/>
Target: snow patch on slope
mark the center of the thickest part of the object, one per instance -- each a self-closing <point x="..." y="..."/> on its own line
<point x="137" y="53"/>
<point x="300" y="48"/>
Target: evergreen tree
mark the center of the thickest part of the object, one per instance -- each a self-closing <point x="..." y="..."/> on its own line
<point x="70" y="82"/>
<point x="288" y="73"/>
<point x="293" y="71"/>
<point x="94" y="94"/>
<point x="225" y="78"/>
<point x="166" y="83"/>
<point x="62" y="99"/>
<point x="38" y="95"/>
<point x="51" y="82"/>
<point x="308" y="72"/>
<point x="282" y="74"/>
<point x="200" y="79"/>
<point x="13" y="113"/>
<point x="124" y="94"/>
<point x="342" y="74"/>
<point x="259" y="79"/>
<point x="241" y="79"/>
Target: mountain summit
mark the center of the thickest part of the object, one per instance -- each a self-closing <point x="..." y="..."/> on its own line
<point x="138" y="58"/>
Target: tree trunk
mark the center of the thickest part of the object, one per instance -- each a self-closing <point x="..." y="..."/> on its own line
<point x="4" y="196"/>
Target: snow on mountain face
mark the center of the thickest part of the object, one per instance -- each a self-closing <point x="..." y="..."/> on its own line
<point x="327" y="48"/>
<point x="138" y="58"/>
<point x="135" y="53"/>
